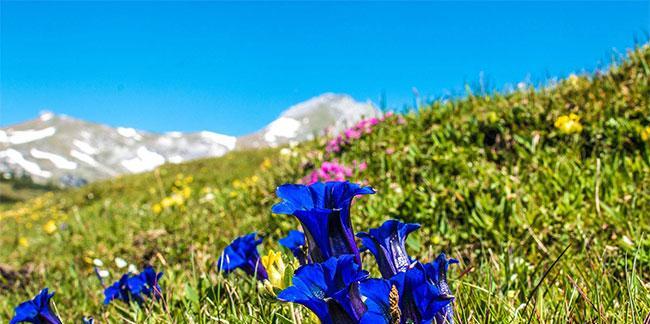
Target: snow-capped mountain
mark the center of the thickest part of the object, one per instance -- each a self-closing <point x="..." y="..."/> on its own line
<point x="328" y="112"/>
<point x="68" y="151"/>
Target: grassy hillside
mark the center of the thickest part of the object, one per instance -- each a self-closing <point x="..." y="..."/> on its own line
<point x="551" y="223"/>
<point x="18" y="189"/>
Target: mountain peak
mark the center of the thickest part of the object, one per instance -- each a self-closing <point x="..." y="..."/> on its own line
<point x="312" y="117"/>
<point x="45" y="115"/>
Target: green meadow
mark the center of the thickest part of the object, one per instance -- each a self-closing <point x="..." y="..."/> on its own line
<point x="542" y="193"/>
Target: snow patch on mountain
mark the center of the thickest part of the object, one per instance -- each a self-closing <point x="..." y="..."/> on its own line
<point x="83" y="157"/>
<point x="58" y="161"/>
<point x="282" y="127"/>
<point x="84" y="147"/>
<point x="129" y="133"/>
<point x="26" y="136"/>
<point x="228" y="141"/>
<point x="145" y="160"/>
<point x="46" y="115"/>
<point x="15" y="157"/>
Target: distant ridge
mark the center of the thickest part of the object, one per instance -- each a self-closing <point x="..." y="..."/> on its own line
<point x="71" y="152"/>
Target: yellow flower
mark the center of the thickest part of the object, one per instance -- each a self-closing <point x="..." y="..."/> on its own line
<point x="645" y="134"/>
<point x="492" y="117"/>
<point x="266" y="164"/>
<point x="275" y="268"/>
<point x="156" y="208"/>
<point x="23" y="242"/>
<point x="236" y="183"/>
<point x="233" y="194"/>
<point x="166" y="202"/>
<point x="569" y="124"/>
<point x="49" y="227"/>
<point x="187" y="192"/>
<point x="177" y="199"/>
<point x="573" y="80"/>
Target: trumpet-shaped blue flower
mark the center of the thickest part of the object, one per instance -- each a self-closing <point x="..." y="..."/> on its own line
<point x="295" y="241"/>
<point x="382" y="301"/>
<point x="410" y="296"/>
<point x="329" y="289"/>
<point x="121" y="290"/>
<point x="151" y="279"/>
<point x="324" y="211"/>
<point x="242" y="253"/>
<point x="421" y="300"/>
<point x="436" y="272"/>
<point x="387" y="244"/>
<point x="36" y="310"/>
<point x="135" y="287"/>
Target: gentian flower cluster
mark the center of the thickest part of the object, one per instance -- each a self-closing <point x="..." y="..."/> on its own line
<point x="132" y="287"/>
<point x="331" y="281"/>
<point x="36" y="310"/>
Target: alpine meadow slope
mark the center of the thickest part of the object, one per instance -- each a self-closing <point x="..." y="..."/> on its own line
<point x="543" y="195"/>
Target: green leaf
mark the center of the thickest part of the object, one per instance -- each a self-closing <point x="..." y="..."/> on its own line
<point x="191" y="294"/>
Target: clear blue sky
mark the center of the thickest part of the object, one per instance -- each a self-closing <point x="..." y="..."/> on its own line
<point x="233" y="67"/>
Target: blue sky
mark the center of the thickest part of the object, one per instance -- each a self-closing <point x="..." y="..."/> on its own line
<point x="233" y="67"/>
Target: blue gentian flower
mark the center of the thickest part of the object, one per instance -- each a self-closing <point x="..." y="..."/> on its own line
<point x="324" y="211"/>
<point x="242" y="253"/>
<point x="118" y="290"/>
<point x="387" y="244"/>
<point x="295" y="241"/>
<point x="382" y="301"/>
<point x="329" y="289"/>
<point x="134" y="287"/>
<point x="36" y="310"/>
<point x="420" y="299"/>
<point x="151" y="279"/>
<point x="436" y="272"/>
<point x="407" y="297"/>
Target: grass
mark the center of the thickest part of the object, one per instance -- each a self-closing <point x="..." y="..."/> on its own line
<point x="549" y="227"/>
<point x="20" y="189"/>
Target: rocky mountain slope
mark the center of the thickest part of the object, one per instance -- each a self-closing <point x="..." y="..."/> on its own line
<point x="68" y="151"/>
